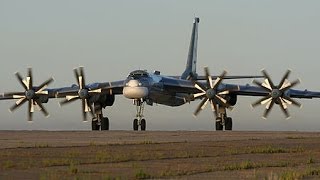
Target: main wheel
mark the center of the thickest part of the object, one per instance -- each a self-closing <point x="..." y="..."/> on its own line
<point x="95" y="126"/>
<point x="219" y="126"/>
<point x="143" y="125"/>
<point x="104" y="124"/>
<point x="135" y="125"/>
<point x="228" y="124"/>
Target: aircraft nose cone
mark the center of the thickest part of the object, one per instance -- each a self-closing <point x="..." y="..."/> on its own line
<point x="135" y="90"/>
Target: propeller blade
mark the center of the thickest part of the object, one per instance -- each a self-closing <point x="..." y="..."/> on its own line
<point x="83" y="77"/>
<point x="214" y="108"/>
<point x="67" y="101"/>
<point x="267" y="111"/>
<point x="224" y="92"/>
<point x="84" y="112"/>
<point x="284" y="103"/>
<point x="76" y="74"/>
<point x="14" y="95"/>
<point x="199" y="86"/>
<point x="18" y="104"/>
<point x="266" y="101"/>
<point x="200" y="106"/>
<point x="260" y="84"/>
<point x="72" y="97"/>
<point x="42" y="108"/>
<point x="30" y="79"/>
<point x="20" y="79"/>
<point x="80" y="80"/>
<point x="259" y="102"/>
<point x="219" y="79"/>
<point x="30" y="114"/>
<point x="18" y="96"/>
<point x="267" y="84"/>
<point x="30" y="110"/>
<point x="220" y="101"/>
<point x="294" y="102"/>
<point x="284" y="109"/>
<point x="90" y="108"/>
<point x="95" y="91"/>
<point x="294" y="83"/>
<point x="31" y="105"/>
<point x="264" y="72"/>
<point x="286" y="75"/>
<point x="199" y="95"/>
<point x="44" y="85"/>
<point x="209" y="78"/>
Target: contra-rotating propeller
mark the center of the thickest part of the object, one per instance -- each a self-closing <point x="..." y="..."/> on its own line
<point x="83" y="93"/>
<point x="276" y="94"/>
<point x="31" y="94"/>
<point x="211" y="93"/>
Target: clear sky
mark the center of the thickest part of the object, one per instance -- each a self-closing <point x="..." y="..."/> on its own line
<point x="112" y="38"/>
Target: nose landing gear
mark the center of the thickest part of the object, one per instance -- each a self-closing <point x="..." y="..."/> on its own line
<point x="139" y="120"/>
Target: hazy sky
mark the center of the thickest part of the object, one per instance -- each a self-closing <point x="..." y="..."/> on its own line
<point x="112" y="38"/>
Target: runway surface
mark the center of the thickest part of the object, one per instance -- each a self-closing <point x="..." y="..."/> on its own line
<point x="158" y="154"/>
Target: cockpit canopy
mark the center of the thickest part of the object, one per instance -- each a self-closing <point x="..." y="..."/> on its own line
<point x="138" y="74"/>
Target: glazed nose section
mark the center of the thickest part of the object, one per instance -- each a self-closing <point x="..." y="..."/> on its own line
<point x="134" y="90"/>
<point x="133" y="83"/>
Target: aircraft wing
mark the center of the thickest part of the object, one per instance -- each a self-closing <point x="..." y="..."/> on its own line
<point x="249" y="90"/>
<point x="114" y="88"/>
<point x="230" y="77"/>
<point x="175" y="85"/>
<point x="225" y="77"/>
<point x="186" y="86"/>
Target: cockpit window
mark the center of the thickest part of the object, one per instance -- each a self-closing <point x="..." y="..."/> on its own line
<point x="138" y="74"/>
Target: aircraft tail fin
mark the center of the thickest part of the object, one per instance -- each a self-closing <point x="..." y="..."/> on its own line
<point x="190" y="71"/>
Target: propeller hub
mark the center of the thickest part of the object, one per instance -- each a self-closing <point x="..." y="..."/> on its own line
<point x="210" y="93"/>
<point x="275" y="93"/>
<point x="30" y="94"/>
<point x="83" y="93"/>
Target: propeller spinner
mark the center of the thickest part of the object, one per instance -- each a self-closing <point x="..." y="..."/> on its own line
<point x="211" y="93"/>
<point x="83" y="94"/>
<point x="31" y="94"/>
<point x="276" y="94"/>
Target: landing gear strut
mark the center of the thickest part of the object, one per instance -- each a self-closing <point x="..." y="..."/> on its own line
<point x="223" y="120"/>
<point x="139" y="121"/>
<point x="99" y="122"/>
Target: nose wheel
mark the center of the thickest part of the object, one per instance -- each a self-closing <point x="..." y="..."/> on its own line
<point x="139" y="120"/>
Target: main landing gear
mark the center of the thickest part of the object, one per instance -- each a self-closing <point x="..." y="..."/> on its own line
<point x="139" y="120"/>
<point x="223" y="120"/>
<point x="99" y="122"/>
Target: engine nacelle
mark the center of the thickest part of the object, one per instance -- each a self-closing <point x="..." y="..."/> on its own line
<point x="103" y="100"/>
<point x="44" y="99"/>
<point x="109" y="100"/>
<point x="231" y="99"/>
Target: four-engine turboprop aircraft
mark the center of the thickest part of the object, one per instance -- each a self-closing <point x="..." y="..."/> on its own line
<point x="148" y="88"/>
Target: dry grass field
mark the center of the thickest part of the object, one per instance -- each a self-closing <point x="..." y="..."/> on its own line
<point x="156" y="154"/>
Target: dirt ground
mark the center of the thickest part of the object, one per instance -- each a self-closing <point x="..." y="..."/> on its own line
<point x="159" y="155"/>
